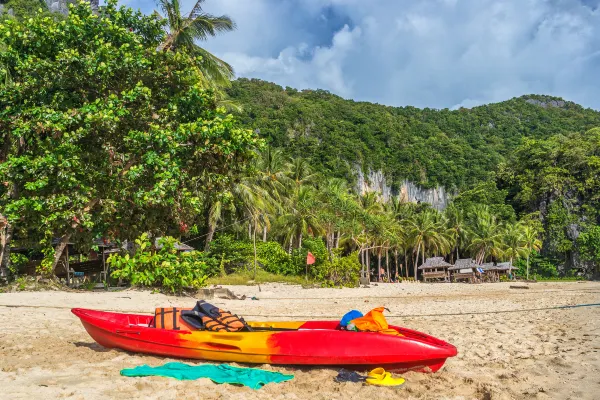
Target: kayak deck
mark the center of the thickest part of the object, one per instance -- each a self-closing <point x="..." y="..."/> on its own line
<point x="279" y="342"/>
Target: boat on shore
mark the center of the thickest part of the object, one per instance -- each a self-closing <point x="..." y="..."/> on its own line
<point x="318" y="343"/>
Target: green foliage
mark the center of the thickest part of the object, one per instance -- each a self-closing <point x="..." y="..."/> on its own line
<point x="239" y="255"/>
<point x="488" y="194"/>
<point x="342" y="271"/>
<point x="557" y="176"/>
<point x="103" y="136"/>
<point x="23" y="8"/>
<point x="317" y="247"/>
<point x="539" y="266"/>
<point x="166" y="268"/>
<point x="455" y="149"/>
<point x="17" y="262"/>
<point x="588" y="243"/>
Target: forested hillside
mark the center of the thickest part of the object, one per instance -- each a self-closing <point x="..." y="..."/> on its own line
<point x="430" y="147"/>
<point x="529" y="156"/>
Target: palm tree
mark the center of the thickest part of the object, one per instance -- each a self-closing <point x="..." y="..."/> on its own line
<point x="427" y="234"/>
<point x="457" y="227"/>
<point x="531" y="241"/>
<point x="185" y="29"/>
<point x="299" y="172"/>
<point x="486" y="235"/>
<point x="271" y="165"/>
<point x="299" y="216"/>
<point x="245" y="198"/>
<point x="514" y="241"/>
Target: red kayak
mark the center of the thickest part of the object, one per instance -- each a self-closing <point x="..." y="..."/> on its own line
<point x="286" y="343"/>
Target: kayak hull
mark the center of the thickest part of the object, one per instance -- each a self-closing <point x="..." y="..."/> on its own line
<point x="317" y="343"/>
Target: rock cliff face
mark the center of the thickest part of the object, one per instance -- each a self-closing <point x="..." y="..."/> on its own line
<point x="375" y="181"/>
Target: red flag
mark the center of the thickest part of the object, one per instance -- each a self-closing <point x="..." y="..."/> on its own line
<point x="310" y="259"/>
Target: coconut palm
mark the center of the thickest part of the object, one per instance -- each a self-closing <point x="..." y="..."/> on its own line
<point x="244" y="199"/>
<point x="299" y="217"/>
<point x="485" y="235"/>
<point x="457" y="227"/>
<point x="428" y="235"/>
<point x="531" y="241"/>
<point x="184" y="30"/>
<point x="513" y="240"/>
<point x="299" y="172"/>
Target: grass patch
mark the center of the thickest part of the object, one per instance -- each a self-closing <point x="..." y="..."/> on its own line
<point x="246" y="278"/>
<point x="560" y="279"/>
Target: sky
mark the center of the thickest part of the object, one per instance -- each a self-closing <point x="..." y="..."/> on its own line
<point x="423" y="53"/>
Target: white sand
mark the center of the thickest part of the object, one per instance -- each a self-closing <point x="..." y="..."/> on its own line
<point x="46" y="353"/>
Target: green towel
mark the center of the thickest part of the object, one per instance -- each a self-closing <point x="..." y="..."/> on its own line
<point x="251" y="377"/>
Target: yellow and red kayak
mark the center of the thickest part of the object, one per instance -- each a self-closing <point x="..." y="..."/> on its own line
<point x="285" y="343"/>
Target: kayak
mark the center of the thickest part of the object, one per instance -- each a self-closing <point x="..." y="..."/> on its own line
<point x="285" y="343"/>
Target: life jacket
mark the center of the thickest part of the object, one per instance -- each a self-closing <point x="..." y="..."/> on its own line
<point x="205" y="316"/>
<point x="374" y="321"/>
<point x="170" y="318"/>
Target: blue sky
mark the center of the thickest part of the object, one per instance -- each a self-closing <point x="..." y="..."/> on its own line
<point x="425" y="53"/>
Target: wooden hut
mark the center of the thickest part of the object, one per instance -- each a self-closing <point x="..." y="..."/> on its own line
<point x="505" y="268"/>
<point x="489" y="271"/>
<point x="435" y="268"/>
<point x="464" y="269"/>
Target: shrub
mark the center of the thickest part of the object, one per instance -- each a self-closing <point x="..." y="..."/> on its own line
<point x="17" y="262"/>
<point x="239" y="254"/>
<point x="166" y="268"/>
<point x="342" y="271"/>
<point x="538" y="265"/>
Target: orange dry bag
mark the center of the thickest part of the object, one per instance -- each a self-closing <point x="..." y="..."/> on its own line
<point x="373" y="321"/>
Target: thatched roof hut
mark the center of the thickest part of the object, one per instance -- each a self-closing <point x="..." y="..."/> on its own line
<point x="488" y="266"/>
<point x="505" y="266"/>
<point x="463" y="263"/>
<point x="434" y="263"/>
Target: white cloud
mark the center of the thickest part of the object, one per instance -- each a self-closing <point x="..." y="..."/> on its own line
<point x="427" y="53"/>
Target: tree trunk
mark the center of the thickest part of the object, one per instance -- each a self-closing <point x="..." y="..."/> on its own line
<point x="249" y="230"/>
<point x="457" y="256"/>
<point x="7" y="234"/>
<point x="387" y="265"/>
<point x="405" y="264"/>
<point x="379" y="265"/>
<point x="264" y="233"/>
<point x="337" y="240"/>
<point x="417" y="260"/>
<point x="254" y="243"/>
<point x="60" y="248"/>
<point x="368" y="264"/>
<point x="396" y="258"/>
<point x="300" y="241"/>
<point x="209" y="237"/>
<point x="528" y="266"/>
<point x="291" y="244"/>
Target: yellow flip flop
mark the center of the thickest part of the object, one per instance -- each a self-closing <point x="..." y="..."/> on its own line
<point x="379" y="377"/>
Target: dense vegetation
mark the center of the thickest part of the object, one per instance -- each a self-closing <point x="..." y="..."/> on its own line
<point x="112" y="129"/>
<point x="541" y="151"/>
<point x="430" y="147"/>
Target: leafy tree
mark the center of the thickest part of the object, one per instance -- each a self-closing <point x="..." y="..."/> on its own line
<point x="105" y="136"/>
<point x="165" y="268"/>
<point x="589" y="245"/>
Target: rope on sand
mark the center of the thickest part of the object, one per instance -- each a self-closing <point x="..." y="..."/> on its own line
<point x="337" y="316"/>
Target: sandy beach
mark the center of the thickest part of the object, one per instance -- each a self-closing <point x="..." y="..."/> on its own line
<point x="504" y="353"/>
